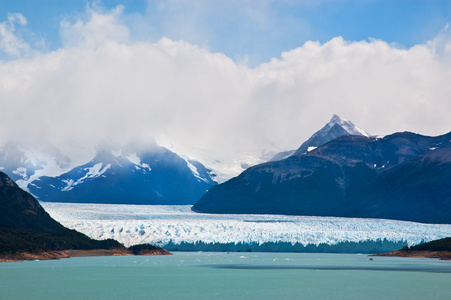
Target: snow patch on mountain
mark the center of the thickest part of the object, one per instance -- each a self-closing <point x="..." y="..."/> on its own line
<point x="195" y="171"/>
<point x="94" y="172"/>
<point x="47" y="163"/>
<point x="335" y="128"/>
<point x="25" y="163"/>
<point x="70" y="183"/>
<point x="134" y="159"/>
<point x="347" y="125"/>
<point x="91" y="173"/>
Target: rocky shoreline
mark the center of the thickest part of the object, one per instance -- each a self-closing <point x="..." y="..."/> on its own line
<point x="442" y="255"/>
<point x="52" y="255"/>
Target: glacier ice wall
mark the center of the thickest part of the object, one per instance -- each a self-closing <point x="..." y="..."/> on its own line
<point x="176" y="227"/>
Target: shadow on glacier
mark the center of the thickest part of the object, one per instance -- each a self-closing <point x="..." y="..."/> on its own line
<point x="369" y="246"/>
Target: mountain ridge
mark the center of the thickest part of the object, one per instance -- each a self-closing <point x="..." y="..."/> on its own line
<point x="350" y="176"/>
<point x="128" y="177"/>
<point x="130" y="174"/>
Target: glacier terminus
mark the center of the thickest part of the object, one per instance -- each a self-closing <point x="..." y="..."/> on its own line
<point x="176" y="227"/>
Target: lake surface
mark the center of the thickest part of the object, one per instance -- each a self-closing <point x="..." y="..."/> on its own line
<point x="215" y="275"/>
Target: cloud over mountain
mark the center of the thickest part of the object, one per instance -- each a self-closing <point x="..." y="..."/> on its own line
<point x="103" y="84"/>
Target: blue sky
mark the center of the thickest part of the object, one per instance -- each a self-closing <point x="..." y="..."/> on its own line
<point x="221" y="80"/>
<point x="253" y="30"/>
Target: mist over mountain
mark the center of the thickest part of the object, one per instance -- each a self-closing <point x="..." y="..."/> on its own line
<point x="130" y="174"/>
<point x="25" y="162"/>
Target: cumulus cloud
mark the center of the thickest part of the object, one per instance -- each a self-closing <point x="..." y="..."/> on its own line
<point x="381" y="88"/>
<point x="98" y="28"/>
<point x="104" y="86"/>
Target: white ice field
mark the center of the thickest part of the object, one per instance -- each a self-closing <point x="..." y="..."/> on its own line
<point x="178" y="228"/>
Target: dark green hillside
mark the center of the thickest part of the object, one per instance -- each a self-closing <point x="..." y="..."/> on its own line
<point x="437" y="245"/>
<point x="26" y="227"/>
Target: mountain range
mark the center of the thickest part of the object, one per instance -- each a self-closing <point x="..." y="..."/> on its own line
<point x="339" y="171"/>
<point x="128" y="175"/>
<point x="403" y="176"/>
<point x="133" y="173"/>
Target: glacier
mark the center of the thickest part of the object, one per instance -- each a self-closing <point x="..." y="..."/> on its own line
<point x="176" y="227"/>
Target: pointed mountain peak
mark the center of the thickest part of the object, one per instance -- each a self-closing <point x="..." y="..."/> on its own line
<point x="336" y="119"/>
<point x="336" y="127"/>
<point x="348" y="126"/>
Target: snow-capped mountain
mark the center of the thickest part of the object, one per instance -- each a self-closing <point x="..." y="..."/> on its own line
<point x="25" y="163"/>
<point x="227" y="165"/>
<point x="335" y="128"/>
<point x="153" y="175"/>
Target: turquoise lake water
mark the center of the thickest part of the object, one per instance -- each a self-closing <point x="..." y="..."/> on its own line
<point x="210" y="275"/>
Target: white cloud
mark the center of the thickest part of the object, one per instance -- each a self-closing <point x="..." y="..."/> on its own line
<point x="17" y="17"/>
<point x="10" y="42"/>
<point x="103" y="86"/>
<point x="99" y="28"/>
<point x="381" y="88"/>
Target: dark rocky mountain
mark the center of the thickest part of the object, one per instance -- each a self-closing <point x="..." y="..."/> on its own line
<point x="151" y="176"/>
<point x="335" y="128"/>
<point x="26" y="227"/>
<point x="403" y="176"/>
<point x="20" y="210"/>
